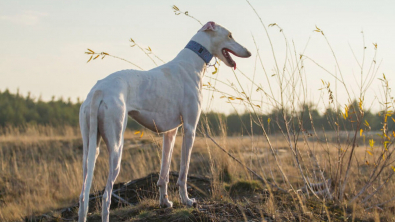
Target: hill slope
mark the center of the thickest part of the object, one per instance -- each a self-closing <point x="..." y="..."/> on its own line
<point x="137" y="201"/>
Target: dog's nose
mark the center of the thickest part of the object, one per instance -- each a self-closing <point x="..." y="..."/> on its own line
<point x="248" y="53"/>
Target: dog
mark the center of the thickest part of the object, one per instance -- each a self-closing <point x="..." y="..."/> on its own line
<point x="161" y="99"/>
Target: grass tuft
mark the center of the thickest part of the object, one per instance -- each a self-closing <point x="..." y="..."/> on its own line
<point x="244" y="187"/>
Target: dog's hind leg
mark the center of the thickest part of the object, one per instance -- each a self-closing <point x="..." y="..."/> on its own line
<point x="112" y="129"/>
<point x="90" y="140"/>
<point x="85" y="142"/>
<point x="169" y="139"/>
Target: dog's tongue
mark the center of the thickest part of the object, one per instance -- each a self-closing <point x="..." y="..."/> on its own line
<point x="234" y="67"/>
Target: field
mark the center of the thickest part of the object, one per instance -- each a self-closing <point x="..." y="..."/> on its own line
<point x="41" y="173"/>
<point x="288" y="157"/>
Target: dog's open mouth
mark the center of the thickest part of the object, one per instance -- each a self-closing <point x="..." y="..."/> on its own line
<point x="228" y="58"/>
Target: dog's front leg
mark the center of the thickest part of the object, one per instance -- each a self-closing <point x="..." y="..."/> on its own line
<point x="189" y="137"/>
<point x="169" y="139"/>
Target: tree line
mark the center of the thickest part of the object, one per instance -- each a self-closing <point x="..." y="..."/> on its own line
<point x="19" y="111"/>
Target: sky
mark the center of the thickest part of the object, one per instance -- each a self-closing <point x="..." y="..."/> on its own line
<point x="42" y="42"/>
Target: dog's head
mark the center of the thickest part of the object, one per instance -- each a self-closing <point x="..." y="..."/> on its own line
<point x="223" y="43"/>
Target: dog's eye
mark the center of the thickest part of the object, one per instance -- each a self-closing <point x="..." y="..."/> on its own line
<point x="230" y="36"/>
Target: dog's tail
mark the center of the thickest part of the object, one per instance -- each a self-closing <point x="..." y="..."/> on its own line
<point x="92" y="144"/>
<point x="93" y="121"/>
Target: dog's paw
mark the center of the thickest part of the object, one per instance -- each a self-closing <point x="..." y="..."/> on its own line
<point x="191" y="202"/>
<point x="165" y="203"/>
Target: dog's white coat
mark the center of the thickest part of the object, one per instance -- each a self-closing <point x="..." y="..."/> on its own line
<point x="160" y="99"/>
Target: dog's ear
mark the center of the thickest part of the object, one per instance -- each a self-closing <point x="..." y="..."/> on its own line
<point x="209" y="26"/>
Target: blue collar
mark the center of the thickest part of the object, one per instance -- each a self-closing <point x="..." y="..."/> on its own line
<point x="200" y="51"/>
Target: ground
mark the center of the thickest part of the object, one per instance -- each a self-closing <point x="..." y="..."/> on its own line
<point x="41" y="177"/>
<point x="137" y="200"/>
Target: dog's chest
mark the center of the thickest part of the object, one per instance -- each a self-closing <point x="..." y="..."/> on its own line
<point x="155" y="99"/>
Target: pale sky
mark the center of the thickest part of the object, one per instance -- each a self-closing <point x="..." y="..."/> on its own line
<point x="42" y="42"/>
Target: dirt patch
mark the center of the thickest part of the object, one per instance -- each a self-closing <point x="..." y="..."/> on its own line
<point x="137" y="200"/>
<point x="131" y="193"/>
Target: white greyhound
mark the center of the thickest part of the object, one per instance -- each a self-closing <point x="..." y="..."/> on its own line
<point x="161" y="99"/>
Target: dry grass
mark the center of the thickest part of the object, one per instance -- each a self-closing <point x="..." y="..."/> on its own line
<point x="41" y="170"/>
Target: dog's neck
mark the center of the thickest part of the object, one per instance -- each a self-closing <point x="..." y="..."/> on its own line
<point x="187" y="56"/>
<point x="203" y="39"/>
